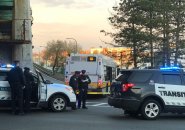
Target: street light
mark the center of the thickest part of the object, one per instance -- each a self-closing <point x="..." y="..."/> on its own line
<point x="75" y="43"/>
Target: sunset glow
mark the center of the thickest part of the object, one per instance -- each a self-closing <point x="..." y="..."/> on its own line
<point x="80" y="19"/>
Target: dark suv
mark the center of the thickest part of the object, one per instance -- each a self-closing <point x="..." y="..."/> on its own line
<point x="149" y="92"/>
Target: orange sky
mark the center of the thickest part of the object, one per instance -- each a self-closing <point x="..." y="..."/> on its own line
<point x="79" y="19"/>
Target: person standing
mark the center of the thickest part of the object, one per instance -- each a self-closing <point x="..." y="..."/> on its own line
<point x="73" y="82"/>
<point x="84" y="80"/>
<point x="28" y="88"/>
<point x="17" y="82"/>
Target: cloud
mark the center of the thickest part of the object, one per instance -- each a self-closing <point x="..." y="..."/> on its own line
<point x="54" y="3"/>
<point x="66" y="3"/>
<point x="78" y="4"/>
<point x="75" y="4"/>
<point x="86" y="36"/>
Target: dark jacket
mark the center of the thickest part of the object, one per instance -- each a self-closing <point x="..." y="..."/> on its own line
<point x="16" y="76"/>
<point x="74" y="82"/>
<point x="84" y="80"/>
<point x="28" y="78"/>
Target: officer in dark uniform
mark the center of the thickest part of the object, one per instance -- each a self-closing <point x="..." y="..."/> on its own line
<point x="17" y="82"/>
<point x="73" y="82"/>
<point x="28" y="88"/>
<point x="84" y="80"/>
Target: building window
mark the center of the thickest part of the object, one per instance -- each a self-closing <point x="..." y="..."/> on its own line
<point x="6" y="17"/>
<point x="6" y="9"/>
<point x="5" y="30"/>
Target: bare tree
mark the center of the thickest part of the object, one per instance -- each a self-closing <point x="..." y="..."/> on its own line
<point x="57" y="51"/>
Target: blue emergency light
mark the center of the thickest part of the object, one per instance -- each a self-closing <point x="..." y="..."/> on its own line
<point x="7" y="66"/>
<point x="170" y="68"/>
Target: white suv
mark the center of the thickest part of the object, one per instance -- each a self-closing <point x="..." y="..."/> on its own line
<point x="44" y="93"/>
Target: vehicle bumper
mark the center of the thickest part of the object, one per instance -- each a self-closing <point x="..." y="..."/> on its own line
<point x="126" y="104"/>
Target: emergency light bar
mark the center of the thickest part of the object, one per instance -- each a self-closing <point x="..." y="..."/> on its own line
<point x="7" y="66"/>
<point x="170" y="68"/>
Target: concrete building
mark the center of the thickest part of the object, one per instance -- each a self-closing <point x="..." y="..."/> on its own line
<point x="15" y="32"/>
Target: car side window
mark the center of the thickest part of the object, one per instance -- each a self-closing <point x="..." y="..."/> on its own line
<point x="123" y="77"/>
<point x="184" y="78"/>
<point x="3" y="76"/>
<point x="174" y="79"/>
<point x="141" y="77"/>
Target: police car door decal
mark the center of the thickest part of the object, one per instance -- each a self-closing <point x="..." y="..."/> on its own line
<point x="43" y="92"/>
<point x="42" y="88"/>
<point x="171" y="94"/>
<point x="5" y="90"/>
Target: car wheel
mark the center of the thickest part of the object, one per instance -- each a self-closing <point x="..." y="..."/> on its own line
<point x="150" y="109"/>
<point x="58" y="103"/>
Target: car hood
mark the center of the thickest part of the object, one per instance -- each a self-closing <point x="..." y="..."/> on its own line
<point x="57" y="85"/>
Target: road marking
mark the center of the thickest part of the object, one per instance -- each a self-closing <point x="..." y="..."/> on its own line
<point x="97" y="104"/>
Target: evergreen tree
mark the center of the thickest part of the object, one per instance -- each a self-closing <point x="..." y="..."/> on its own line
<point x="149" y="22"/>
<point x="125" y="20"/>
<point x="179" y="27"/>
<point x="149" y="27"/>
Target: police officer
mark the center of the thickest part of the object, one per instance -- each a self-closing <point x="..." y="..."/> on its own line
<point x="73" y="82"/>
<point x="28" y="88"/>
<point x="84" y="80"/>
<point x="16" y="81"/>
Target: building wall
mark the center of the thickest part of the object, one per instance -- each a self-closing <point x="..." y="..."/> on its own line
<point x="22" y="31"/>
<point x="22" y="20"/>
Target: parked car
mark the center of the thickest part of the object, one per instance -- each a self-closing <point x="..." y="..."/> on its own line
<point x="45" y="94"/>
<point x="149" y="92"/>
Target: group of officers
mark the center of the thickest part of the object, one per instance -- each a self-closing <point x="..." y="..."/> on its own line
<point x="79" y="82"/>
<point x="21" y="88"/>
<point x="20" y="83"/>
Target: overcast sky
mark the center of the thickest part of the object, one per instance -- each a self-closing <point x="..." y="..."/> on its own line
<point x="79" y="19"/>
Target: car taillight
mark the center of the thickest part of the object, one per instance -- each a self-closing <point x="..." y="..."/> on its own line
<point x="99" y="83"/>
<point x="127" y="86"/>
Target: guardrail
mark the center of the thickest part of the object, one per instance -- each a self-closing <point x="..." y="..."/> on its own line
<point x="57" y="76"/>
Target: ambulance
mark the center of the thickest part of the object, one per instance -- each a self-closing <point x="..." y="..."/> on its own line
<point x="101" y="70"/>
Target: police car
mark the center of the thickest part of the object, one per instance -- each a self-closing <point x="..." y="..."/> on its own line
<point x="44" y="93"/>
<point x="149" y="92"/>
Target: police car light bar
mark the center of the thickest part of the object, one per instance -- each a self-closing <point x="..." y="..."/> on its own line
<point x="7" y="66"/>
<point x="170" y="68"/>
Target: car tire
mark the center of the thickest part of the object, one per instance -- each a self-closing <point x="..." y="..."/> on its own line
<point x="150" y="109"/>
<point x="58" y="103"/>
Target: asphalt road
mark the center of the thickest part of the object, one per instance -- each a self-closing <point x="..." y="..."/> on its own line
<point x="99" y="116"/>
